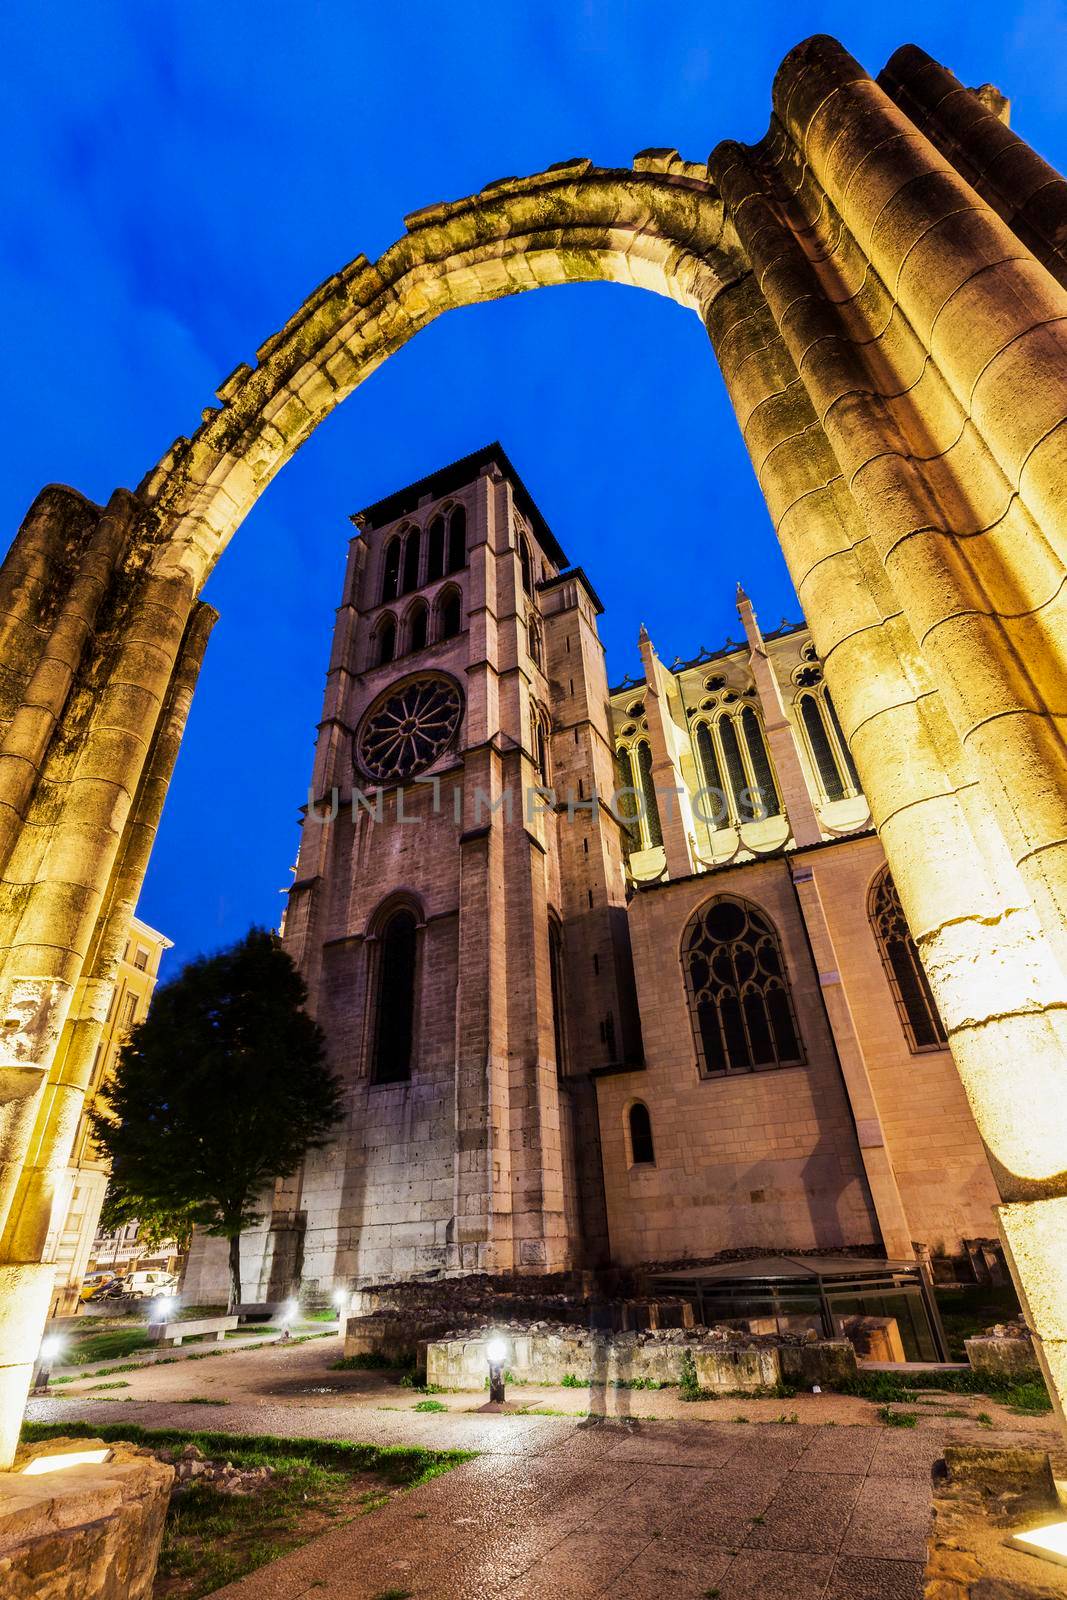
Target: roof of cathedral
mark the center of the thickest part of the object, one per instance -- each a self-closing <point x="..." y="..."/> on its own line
<point x="457" y="475"/>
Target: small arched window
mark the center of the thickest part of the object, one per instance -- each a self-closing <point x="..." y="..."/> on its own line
<point x="769" y="803"/>
<point x="540" y="745"/>
<point x="822" y="750"/>
<point x="449" y="614"/>
<point x="533" y="634"/>
<point x="412" y="551"/>
<point x="738" y="993"/>
<point x="435" y="550"/>
<point x="391" y="571"/>
<point x="385" y="641"/>
<point x="394" y="1000"/>
<point x="919" y="1016"/>
<point x="642" y="1148"/>
<point x="457" y="540"/>
<point x="418" y="621"/>
<point x="648" y="793"/>
<point x="736" y="777"/>
<point x="524" y="565"/>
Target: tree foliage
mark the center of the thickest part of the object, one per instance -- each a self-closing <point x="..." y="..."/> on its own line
<point x="220" y="1090"/>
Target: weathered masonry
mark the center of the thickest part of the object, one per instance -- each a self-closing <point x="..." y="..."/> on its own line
<point x="883" y="282"/>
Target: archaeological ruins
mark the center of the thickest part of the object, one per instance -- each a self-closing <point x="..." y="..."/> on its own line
<point x="883" y="279"/>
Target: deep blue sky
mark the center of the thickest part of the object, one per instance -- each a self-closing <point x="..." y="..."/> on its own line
<point x="178" y="178"/>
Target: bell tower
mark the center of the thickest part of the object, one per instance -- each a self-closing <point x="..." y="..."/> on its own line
<point x="458" y="910"/>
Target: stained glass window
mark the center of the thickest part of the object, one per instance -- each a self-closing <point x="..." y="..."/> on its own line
<point x="918" y="1011"/>
<point x="738" y="992"/>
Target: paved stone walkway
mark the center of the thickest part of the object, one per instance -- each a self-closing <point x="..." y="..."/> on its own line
<point x="551" y="1510"/>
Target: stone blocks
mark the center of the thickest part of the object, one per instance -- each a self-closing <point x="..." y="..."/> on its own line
<point x="86" y="1532"/>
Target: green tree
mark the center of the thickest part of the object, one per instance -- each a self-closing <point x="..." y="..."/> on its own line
<point x="220" y="1090"/>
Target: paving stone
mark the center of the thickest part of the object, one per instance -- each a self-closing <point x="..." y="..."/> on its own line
<point x="890" y="1520"/>
<point x="858" y="1578"/>
<point x="667" y="1567"/>
<point x="775" y="1575"/>
<point x="810" y="1512"/>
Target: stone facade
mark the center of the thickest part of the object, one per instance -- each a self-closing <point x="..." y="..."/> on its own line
<point x="507" y="1143"/>
<point x="882" y="279"/>
<point x="85" y="1181"/>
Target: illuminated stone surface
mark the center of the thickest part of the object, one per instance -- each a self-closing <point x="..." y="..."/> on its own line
<point x="895" y="346"/>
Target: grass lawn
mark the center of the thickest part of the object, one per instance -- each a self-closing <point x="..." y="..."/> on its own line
<point x="211" y="1539"/>
<point x="108" y="1345"/>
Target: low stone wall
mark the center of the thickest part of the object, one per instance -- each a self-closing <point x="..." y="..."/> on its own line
<point x="397" y="1340"/>
<point x="722" y="1366"/>
<point x="999" y="1357"/>
<point x="83" y="1533"/>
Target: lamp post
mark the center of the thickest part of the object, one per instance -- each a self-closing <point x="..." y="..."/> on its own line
<point x="50" y="1348"/>
<point x="496" y="1351"/>
<point x="288" y="1317"/>
<point x="341" y="1298"/>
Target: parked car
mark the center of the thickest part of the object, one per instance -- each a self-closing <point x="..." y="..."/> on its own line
<point x="152" y="1284"/>
<point x="96" y="1285"/>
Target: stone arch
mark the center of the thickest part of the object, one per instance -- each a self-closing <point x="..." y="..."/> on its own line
<point x="895" y="348"/>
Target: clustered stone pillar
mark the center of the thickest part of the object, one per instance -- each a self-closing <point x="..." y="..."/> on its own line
<point x="898" y="361"/>
<point x="100" y="664"/>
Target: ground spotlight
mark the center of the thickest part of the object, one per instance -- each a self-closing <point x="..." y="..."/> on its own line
<point x="290" y="1311"/>
<point x="51" y="1347"/>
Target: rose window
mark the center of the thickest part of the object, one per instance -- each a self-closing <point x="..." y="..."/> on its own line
<point x="408" y="727"/>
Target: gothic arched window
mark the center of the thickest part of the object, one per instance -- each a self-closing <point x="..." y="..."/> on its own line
<point x="735" y="769"/>
<point x="648" y="792"/>
<point x="418" y="621"/>
<point x="412" y="550"/>
<point x="821" y="748"/>
<point x="738" y="992"/>
<point x="761" y="763"/>
<point x="524" y="565"/>
<point x="642" y="1148"/>
<point x="712" y="805"/>
<point x="843" y="742"/>
<point x="391" y="570"/>
<point x="919" y="1016"/>
<point x="533" y="634"/>
<point x="385" y="642"/>
<point x="435" y="550"/>
<point x="626" y="807"/>
<point x="540" y="745"/>
<point x="449" y="614"/>
<point x="457" y="540"/>
<point x="394" y="999"/>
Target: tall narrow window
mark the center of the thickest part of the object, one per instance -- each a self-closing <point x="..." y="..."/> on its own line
<point x="412" y="551"/>
<point x="386" y="641"/>
<point x="524" y="565"/>
<point x="417" y="624"/>
<point x="626" y="806"/>
<point x="739" y="1001"/>
<point x="556" y="978"/>
<point x="435" y="550"/>
<point x="919" y="1016"/>
<point x="735" y="769"/>
<point x="457" y="540"/>
<point x="712" y="804"/>
<point x="642" y="1149"/>
<point x="648" y="794"/>
<point x="540" y="746"/>
<point x="449" y="614"/>
<point x="843" y="742"/>
<point x="391" y="571"/>
<point x="394" y="1009"/>
<point x="821" y="748"/>
<point x="770" y="805"/>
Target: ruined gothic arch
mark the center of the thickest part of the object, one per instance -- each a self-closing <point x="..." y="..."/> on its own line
<point x="889" y="316"/>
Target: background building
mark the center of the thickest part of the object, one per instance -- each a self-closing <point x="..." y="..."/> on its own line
<point x="75" y="1246"/>
<point x="569" y="1034"/>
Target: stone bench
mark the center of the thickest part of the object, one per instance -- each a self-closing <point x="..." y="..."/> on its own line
<point x="171" y="1334"/>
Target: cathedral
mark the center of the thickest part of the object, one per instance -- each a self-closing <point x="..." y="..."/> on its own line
<point x="610" y="974"/>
